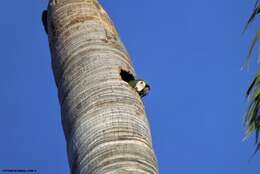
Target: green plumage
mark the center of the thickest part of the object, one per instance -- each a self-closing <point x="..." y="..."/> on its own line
<point x="133" y="83"/>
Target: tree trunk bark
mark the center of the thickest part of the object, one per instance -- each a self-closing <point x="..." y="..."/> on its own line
<point x="103" y="118"/>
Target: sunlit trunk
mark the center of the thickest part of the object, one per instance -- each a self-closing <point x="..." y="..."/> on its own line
<point x="103" y="118"/>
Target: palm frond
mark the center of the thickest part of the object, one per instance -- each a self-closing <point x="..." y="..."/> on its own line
<point x="255" y="82"/>
<point x="249" y="56"/>
<point x="253" y="16"/>
<point x="256" y="3"/>
<point x="252" y="119"/>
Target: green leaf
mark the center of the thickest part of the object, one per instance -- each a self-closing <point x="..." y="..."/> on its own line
<point x="256" y="39"/>
<point x="254" y="84"/>
<point x="256" y="134"/>
<point x="252" y="116"/>
<point x="252" y="17"/>
<point x="250" y="119"/>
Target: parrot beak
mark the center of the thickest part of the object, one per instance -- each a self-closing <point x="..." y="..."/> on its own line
<point x="145" y="91"/>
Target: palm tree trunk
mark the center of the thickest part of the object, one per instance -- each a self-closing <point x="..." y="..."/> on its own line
<point x="103" y="118"/>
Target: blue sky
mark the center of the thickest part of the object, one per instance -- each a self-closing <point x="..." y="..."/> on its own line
<point x="189" y="51"/>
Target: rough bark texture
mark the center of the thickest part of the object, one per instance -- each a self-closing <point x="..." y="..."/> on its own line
<point x="103" y="118"/>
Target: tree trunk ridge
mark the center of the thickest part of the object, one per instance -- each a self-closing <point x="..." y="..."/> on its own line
<point x="103" y="117"/>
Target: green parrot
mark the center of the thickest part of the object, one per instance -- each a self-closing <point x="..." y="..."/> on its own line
<point x="141" y="87"/>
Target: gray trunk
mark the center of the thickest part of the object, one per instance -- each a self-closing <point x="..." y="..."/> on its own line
<point x="103" y="118"/>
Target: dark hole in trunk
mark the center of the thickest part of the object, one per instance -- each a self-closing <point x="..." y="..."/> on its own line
<point x="126" y="76"/>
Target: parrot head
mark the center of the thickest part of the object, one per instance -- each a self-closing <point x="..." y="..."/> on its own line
<point x="141" y="87"/>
